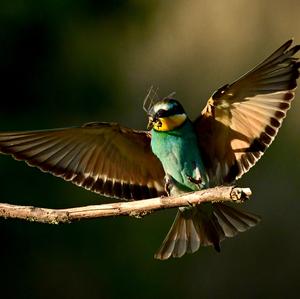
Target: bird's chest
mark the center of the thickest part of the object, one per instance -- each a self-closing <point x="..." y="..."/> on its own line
<point x="179" y="155"/>
<point x="170" y="149"/>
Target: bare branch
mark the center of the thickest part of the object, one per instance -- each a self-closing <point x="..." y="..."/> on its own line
<point x="133" y="208"/>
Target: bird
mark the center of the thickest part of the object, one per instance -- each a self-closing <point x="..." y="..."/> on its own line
<point x="175" y="155"/>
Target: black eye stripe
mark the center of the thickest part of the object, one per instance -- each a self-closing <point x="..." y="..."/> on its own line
<point x="163" y="113"/>
<point x="173" y="111"/>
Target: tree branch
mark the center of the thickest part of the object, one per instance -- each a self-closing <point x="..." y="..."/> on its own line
<point x="133" y="208"/>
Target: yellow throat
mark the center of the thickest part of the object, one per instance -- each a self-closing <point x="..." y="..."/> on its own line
<point x="169" y="123"/>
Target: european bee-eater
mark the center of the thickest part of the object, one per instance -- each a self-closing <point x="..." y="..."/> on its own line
<point x="176" y="155"/>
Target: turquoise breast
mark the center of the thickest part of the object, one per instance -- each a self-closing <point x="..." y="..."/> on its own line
<point x="179" y="154"/>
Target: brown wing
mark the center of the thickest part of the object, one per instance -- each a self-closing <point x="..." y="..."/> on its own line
<point x="242" y="119"/>
<point x="101" y="157"/>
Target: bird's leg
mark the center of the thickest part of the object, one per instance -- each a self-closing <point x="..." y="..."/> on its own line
<point x="198" y="180"/>
<point x="168" y="184"/>
<point x="171" y="186"/>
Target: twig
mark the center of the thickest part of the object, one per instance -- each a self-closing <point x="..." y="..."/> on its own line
<point x="133" y="208"/>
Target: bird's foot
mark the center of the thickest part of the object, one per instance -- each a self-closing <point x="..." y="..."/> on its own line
<point x="169" y="183"/>
<point x="198" y="182"/>
<point x="168" y="188"/>
<point x="195" y="181"/>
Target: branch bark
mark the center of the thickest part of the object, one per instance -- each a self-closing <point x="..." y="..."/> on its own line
<point x="133" y="208"/>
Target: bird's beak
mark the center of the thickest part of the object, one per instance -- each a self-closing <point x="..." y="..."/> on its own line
<point x="150" y="123"/>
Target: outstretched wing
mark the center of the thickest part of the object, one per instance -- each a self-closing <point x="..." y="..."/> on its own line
<point x="242" y="119"/>
<point x="102" y="157"/>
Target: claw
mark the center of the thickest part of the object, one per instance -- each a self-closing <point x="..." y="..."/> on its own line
<point x="197" y="182"/>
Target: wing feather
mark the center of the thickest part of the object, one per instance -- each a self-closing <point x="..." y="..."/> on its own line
<point x="105" y="158"/>
<point x="241" y="119"/>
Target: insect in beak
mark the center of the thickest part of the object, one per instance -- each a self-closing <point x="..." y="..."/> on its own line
<point x="150" y="122"/>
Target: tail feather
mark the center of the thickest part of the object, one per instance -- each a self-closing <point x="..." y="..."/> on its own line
<point x="196" y="227"/>
<point x="240" y="220"/>
<point x="229" y="229"/>
<point x="175" y="242"/>
<point x="211" y="232"/>
<point x="193" y="239"/>
<point x="180" y="247"/>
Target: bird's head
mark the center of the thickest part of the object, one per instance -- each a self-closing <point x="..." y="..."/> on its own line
<point x="166" y="115"/>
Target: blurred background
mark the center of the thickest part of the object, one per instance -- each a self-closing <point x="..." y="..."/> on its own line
<point x="64" y="63"/>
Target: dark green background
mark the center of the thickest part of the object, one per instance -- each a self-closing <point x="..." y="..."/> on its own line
<point x="64" y="63"/>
